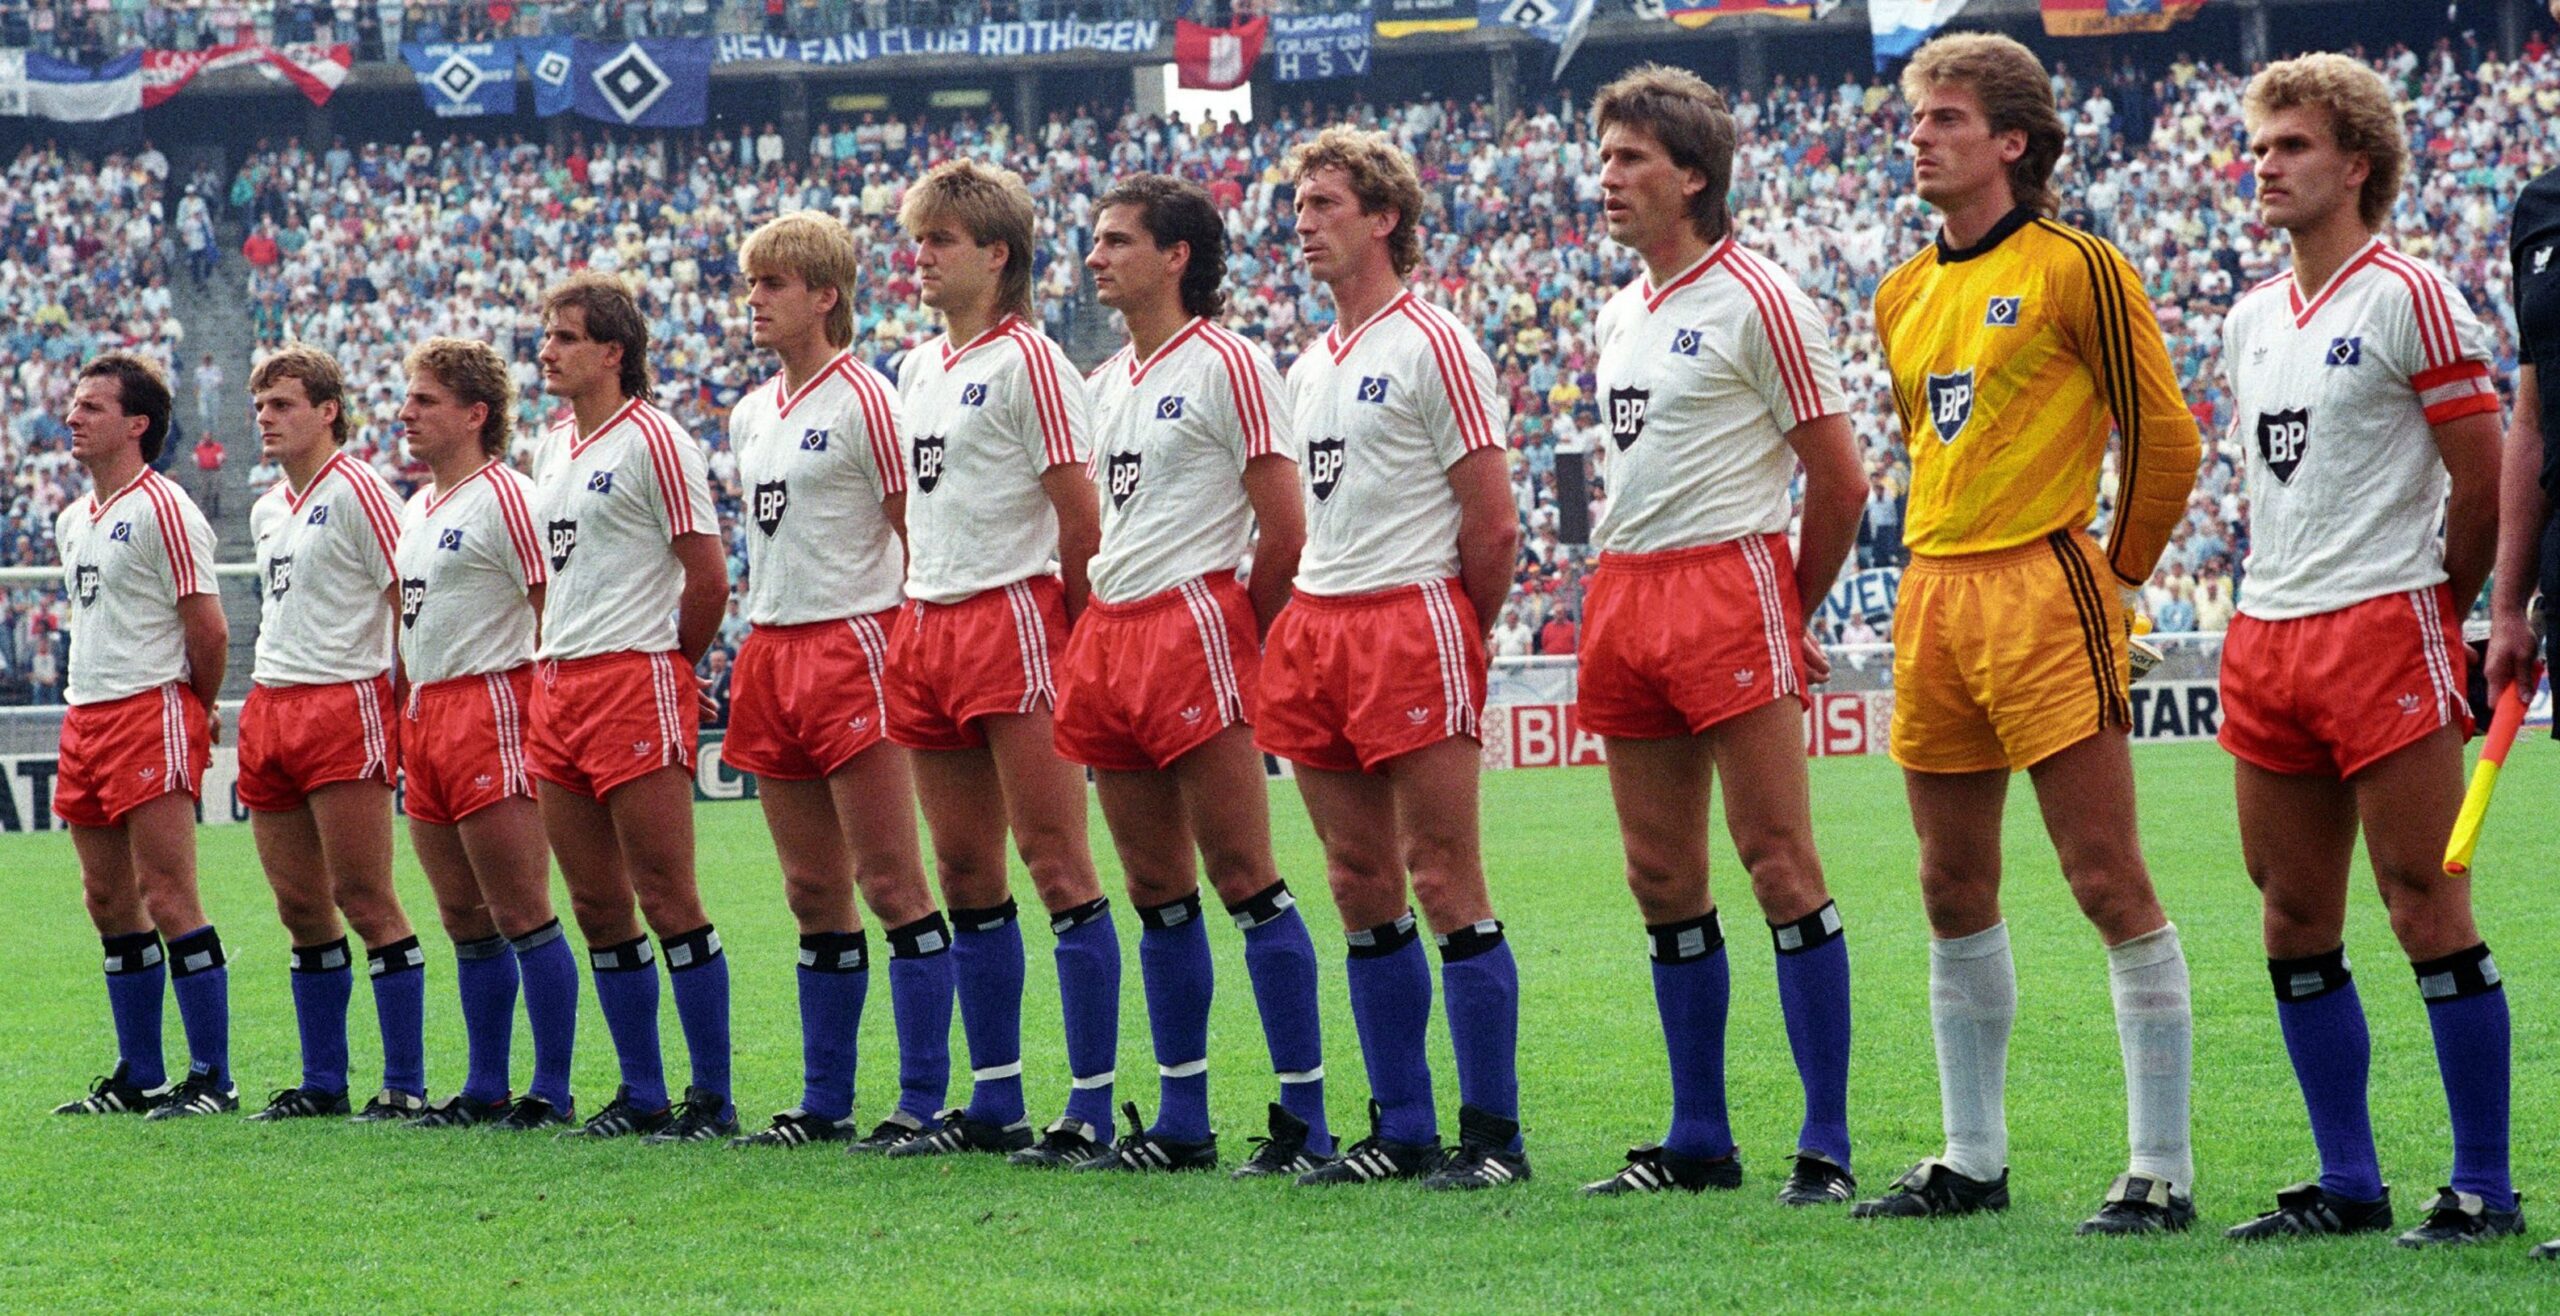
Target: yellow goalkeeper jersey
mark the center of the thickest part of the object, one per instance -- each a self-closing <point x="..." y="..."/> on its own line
<point x="2011" y="360"/>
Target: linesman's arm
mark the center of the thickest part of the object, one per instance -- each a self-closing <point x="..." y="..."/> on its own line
<point x="2524" y="513"/>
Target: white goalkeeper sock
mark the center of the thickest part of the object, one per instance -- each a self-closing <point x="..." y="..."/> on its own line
<point x="1973" y="1000"/>
<point x="2155" y="1023"/>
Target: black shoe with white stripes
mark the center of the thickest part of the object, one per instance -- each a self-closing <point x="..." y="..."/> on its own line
<point x="1484" y="1156"/>
<point x="300" y="1104"/>
<point x="1284" y="1153"/>
<point x="1818" y="1180"/>
<point x="1935" y="1188"/>
<point x="703" y="1116"/>
<point x="957" y="1132"/>
<point x="1067" y="1144"/>
<point x="2307" y="1210"/>
<point x="2545" y="1251"/>
<point x="797" y="1128"/>
<point x="115" y="1095"/>
<point x="886" y="1134"/>
<point x="390" y="1106"/>
<point x="197" y="1094"/>
<point x="621" y="1119"/>
<point x="2142" y="1204"/>
<point x="2458" y="1217"/>
<point x="461" y="1112"/>
<point x="1139" y="1150"/>
<point x="1659" y="1169"/>
<point x="531" y="1112"/>
<point x="1374" y="1159"/>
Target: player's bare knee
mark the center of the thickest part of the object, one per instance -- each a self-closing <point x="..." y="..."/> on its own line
<point x="1236" y="871"/>
<point x="1451" y="896"/>
<point x="671" y="908"/>
<point x="466" y="922"/>
<point x="895" y="891"/>
<point x="1063" y="883"/>
<point x="375" y="915"/>
<point x="2118" y="906"/>
<point x="808" y="895"/>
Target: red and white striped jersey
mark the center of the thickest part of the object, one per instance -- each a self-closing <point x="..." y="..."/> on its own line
<point x="325" y="567"/>
<point x="468" y="556"/>
<point x="816" y="466"/>
<point x="2336" y="395"/>
<point x="1700" y="381"/>
<point x="1384" y="409"/>
<point x="1172" y="434"/>
<point x="984" y="423"/>
<point x="127" y="559"/>
<point x="608" y="518"/>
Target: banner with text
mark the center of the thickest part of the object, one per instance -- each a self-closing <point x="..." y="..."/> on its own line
<point x="1313" y="47"/>
<point x="463" y="81"/>
<point x="1128" y="36"/>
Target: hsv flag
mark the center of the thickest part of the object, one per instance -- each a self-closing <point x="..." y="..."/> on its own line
<point x="1217" y="58"/>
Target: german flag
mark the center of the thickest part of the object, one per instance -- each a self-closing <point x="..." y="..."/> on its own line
<point x="2107" y="18"/>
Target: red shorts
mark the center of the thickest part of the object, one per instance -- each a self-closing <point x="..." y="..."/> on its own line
<point x="1351" y="682"/>
<point x="1675" y="642"/>
<point x="1148" y="681"/>
<point x="295" y="739"/>
<point x="803" y="700"/>
<point x="125" y="753"/>
<point x="463" y="745"/>
<point x="611" y="719"/>
<point x="991" y="653"/>
<point x="2332" y="693"/>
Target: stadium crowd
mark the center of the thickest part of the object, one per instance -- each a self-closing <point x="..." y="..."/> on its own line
<point x="362" y="249"/>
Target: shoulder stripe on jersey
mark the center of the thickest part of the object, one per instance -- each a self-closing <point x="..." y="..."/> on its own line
<point x="879" y="429"/>
<point x="1778" y="323"/>
<point x="579" y="443"/>
<point x="1057" y="438"/>
<point x="519" y="522"/>
<point x="834" y="369"/>
<point x="1474" y="430"/>
<point x="375" y="498"/>
<point x="2302" y="314"/>
<point x="1244" y="385"/>
<point x="2439" y="346"/>
<point x="661" y="443"/>
<point x="173" y="533"/>
<point x="2115" y="363"/>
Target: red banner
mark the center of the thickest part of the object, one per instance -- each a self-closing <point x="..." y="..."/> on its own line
<point x="1217" y="58"/>
<point x="314" y="70"/>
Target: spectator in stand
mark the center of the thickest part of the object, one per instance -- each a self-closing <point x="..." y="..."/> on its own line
<point x="208" y="489"/>
<point x="1558" y="635"/>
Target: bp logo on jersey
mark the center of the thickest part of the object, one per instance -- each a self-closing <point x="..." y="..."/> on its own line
<point x="767" y="502"/>
<point x="562" y="537"/>
<point x="813" y="440"/>
<point x="84" y="583"/>
<point x="1950" y="403"/>
<point x="928" y="461"/>
<point x="413" y="596"/>
<point x="1124" y="477"/>
<point x="279" y="575"/>
<point x="2281" y="438"/>
<point x="1626" y="414"/>
<point x="1324" y="467"/>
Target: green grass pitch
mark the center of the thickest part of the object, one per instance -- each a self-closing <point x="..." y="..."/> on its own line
<point x="218" y="1213"/>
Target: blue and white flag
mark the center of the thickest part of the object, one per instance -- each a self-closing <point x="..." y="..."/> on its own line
<point x="1900" y="26"/>
<point x="42" y="87"/>
<point x="662" y="82"/>
<point x="1313" y="47"/>
<point x="548" y="61"/>
<point x="1559" y="23"/>
<point x="462" y="81"/>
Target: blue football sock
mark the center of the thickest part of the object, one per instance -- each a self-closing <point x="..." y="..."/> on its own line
<point x="2467" y="1012"/>
<point x="400" y="1004"/>
<point x="1088" y="956"/>
<point x="137" y="981"/>
<point x="550" y="974"/>
<point x="1391" y="1011"/>
<point x="484" y="972"/>
<point x="920" y="991"/>
<point x="1280" y="958"/>
<point x="1692" y="988"/>
<point x="699" y="975"/>
<point x="1483" y="985"/>
<point x="1173" y="964"/>
<point x="1813" y="991"/>
<point x="627" y="991"/>
<point x="198" y="975"/>
<point x="2332" y="1053"/>
<point x="835" y="974"/>
<point x="323" y="979"/>
<point x="986" y="967"/>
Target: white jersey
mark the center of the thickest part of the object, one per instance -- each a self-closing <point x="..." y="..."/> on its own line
<point x="127" y="560"/>
<point x="2335" y="397"/>
<point x="1172" y="435"/>
<point x="1700" y="382"/>
<point x="1384" y="411"/>
<point x="468" y="556"/>
<point x="986" y="421"/>
<point x="816" y="466"/>
<point x="609" y="517"/>
<point x="324" y="577"/>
